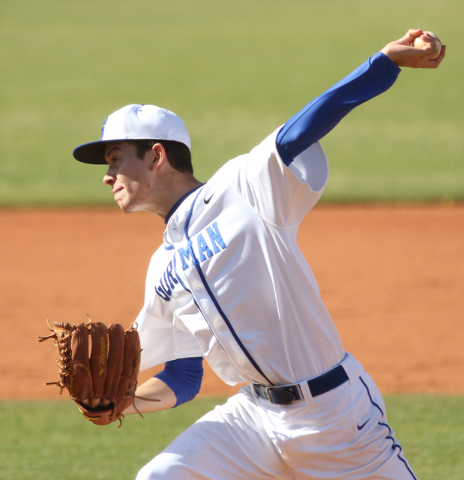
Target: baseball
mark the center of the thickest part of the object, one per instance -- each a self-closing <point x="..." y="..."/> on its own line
<point x="428" y="38"/>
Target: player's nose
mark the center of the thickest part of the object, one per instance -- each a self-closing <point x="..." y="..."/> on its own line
<point x="109" y="179"/>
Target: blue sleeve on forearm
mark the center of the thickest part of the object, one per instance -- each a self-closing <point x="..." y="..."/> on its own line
<point x="183" y="376"/>
<point x="321" y="115"/>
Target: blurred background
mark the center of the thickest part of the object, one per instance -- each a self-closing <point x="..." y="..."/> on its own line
<point x="234" y="71"/>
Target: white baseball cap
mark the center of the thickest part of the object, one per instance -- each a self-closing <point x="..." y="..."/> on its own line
<point x="134" y="122"/>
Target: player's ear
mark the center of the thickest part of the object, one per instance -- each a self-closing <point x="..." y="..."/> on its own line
<point x="159" y="155"/>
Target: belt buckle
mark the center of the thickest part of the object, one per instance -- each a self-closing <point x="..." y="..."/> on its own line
<point x="283" y="395"/>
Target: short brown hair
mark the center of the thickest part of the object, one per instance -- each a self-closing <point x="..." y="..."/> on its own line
<point x="179" y="155"/>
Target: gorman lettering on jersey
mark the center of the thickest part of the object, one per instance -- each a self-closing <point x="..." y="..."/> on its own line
<point x="207" y="243"/>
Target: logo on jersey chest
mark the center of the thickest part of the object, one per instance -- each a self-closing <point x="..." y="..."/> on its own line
<point x="201" y="247"/>
<point x="167" y="283"/>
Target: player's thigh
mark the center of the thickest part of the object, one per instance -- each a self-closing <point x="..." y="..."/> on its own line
<point x="353" y="441"/>
<point x="228" y="443"/>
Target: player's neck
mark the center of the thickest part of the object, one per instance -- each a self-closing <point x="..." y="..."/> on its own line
<point x="177" y="187"/>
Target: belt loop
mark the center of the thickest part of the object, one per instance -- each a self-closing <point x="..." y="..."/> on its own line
<point x="253" y="391"/>
<point x="352" y="367"/>
<point x="308" y="398"/>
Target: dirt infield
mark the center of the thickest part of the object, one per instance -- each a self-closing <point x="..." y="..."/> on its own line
<point x="392" y="277"/>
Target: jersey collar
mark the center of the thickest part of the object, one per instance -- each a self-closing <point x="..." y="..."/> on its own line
<point x="177" y="204"/>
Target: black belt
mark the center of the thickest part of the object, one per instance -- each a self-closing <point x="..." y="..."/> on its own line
<point x="317" y="386"/>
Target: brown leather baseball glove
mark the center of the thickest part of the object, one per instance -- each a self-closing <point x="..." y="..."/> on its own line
<point x="99" y="367"/>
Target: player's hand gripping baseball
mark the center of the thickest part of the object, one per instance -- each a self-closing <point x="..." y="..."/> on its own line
<point x="404" y="54"/>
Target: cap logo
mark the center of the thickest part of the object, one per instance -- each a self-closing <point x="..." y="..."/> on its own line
<point x="103" y="128"/>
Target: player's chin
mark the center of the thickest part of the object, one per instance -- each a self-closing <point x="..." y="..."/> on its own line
<point x="124" y="206"/>
<point x="128" y="207"/>
<point x="122" y="201"/>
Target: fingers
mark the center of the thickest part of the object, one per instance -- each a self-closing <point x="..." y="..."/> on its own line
<point x="429" y="43"/>
<point x="436" y="61"/>
<point x="429" y="46"/>
<point x="93" y="403"/>
<point x="410" y="36"/>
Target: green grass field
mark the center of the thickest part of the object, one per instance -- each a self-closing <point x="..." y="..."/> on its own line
<point x="52" y="441"/>
<point x="234" y="71"/>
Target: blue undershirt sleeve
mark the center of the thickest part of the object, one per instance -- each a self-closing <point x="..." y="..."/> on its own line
<point x="183" y="376"/>
<point x="321" y="115"/>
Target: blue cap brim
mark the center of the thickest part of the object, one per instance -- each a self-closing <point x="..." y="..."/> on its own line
<point x="93" y="152"/>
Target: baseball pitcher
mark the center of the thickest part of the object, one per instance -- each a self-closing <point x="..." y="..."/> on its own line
<point x="229" y="284"/>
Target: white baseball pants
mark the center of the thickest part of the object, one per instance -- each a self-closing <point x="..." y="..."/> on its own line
<point x="342" y="434"/>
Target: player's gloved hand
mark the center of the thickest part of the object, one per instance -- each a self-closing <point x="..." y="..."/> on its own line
<point x="99" y="367"/>
<point x="404" y="54"/>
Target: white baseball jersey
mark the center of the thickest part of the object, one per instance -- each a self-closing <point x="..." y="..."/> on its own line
<point x="230" y="282"/>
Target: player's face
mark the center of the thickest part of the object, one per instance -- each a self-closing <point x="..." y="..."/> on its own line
<point x="129" y="176"/>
